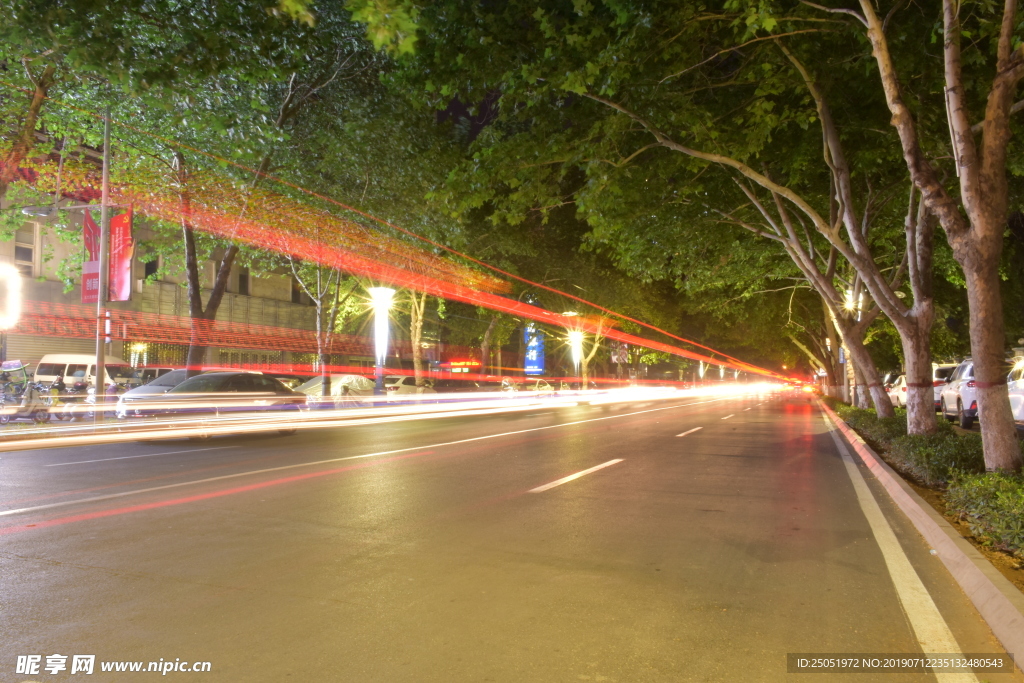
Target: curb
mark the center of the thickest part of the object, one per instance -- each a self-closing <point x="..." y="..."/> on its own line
<point x="998" y="601"/>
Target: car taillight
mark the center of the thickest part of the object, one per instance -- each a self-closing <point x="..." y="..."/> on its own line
<point x="903" y="388"/>
<point x="938" y="383"/>
<point x="392" y="388"/>
<point x="970" y="385"/>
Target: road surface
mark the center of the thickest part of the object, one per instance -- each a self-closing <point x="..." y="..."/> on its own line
<point x="464" y="549"/>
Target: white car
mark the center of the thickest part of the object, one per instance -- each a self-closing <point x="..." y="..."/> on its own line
<point x="395" y="385"/>
<point x="346" y="390"/>
<point x="898" y="392"/>
<point x="1015" y="384"/>
<point x="941" y="372"/>
<point x="958" y="399"/>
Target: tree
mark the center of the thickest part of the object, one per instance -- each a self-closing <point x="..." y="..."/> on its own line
<point x="331" y="294"/>
<point x="550" y="147"/>
<point x="975" y="221"/>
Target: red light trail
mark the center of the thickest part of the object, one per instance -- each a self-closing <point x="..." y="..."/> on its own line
<point x="272" y="221"/>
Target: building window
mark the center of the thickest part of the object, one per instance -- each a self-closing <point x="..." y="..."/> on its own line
<point x="25" y="250"/>
<point x="152" y="267"/>
<point x="243" y="281"/>
<point x="296" y="292"/>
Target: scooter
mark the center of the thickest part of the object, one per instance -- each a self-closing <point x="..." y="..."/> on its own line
<point x="31" y="406"/>
<point x="55" y="398"/>
<point x="86" y="409"/>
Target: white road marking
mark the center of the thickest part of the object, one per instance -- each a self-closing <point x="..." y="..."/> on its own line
<point x="746" y="409"/>
<point x="929" y="627"/>
<point x="728" y="416"/>
<point x="691" y="431"/>
<point x="147" y="455"/>
<point x="236" y="475"/>
<point x="571" y="477"/>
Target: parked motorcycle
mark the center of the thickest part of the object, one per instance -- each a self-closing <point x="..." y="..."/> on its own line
<point x="74" y="402"/>
<point x="85" y="407"/>
<point x="30" y="405"/>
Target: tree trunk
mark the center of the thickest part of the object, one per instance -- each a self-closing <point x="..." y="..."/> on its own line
<point x="201" y="320"/>
<point x="868" y="384"/>
<point x="419" y="304"/>
<point x="998" y="432"/>
<point x="918" y="369"/>
<point x="485" y="346"/>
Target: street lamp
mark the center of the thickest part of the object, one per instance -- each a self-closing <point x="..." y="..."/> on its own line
<point x="576" y="347"/>
<point x="380" y="301"/>
<point x="11" y="279"/>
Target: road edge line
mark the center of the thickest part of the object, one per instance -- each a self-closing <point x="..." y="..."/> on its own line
<point x="997" y="600"/>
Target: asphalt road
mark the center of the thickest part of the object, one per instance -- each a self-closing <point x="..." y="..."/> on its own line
<point x="444" y="550"/>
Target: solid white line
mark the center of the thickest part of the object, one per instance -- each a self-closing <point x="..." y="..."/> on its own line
<point x="691" y="431"/>
<point x="929" y="627"/>
<point x="571" y="477"/>
<point x="147" y="455"/>
<point x="728" y="416"/>
<point x="109" y="496"/>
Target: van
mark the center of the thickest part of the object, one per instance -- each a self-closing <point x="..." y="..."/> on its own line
<point x="81" y="367"/>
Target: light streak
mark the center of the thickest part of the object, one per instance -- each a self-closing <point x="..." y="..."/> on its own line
<point x="576" y="346"/>
<point x="417" y="407"/>
<point x="380" y="300"/>
<point x="273" y="221"/>
<point x="11" y="280"/>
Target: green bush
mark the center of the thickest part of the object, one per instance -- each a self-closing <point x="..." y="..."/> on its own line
<point x="992" y="505"/>
<point x="929" y="458"/>
<point x="932" y="458"/>
<point x="876" y="431"/>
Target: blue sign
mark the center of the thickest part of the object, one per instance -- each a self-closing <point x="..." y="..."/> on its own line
<point x="533" y="362"/>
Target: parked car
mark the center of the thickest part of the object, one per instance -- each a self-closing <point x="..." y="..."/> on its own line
<point x="898" y="392"/>
<point x="536" y="386"/>
<point x="958" y="400"/>
<point x="1015" y="385"/>
<point x="81" y="367"/>
<point x="457" y="386"/>
<point x="218" y="393"/>
<point x="941" y="372"/>
<point x="396" y="385"/>
<point x="156" y="387"/>
<point x="345" y="389"/>
<point x="146" y="375"/>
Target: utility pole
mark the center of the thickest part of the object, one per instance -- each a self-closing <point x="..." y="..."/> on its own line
<point x="104" y="276"/>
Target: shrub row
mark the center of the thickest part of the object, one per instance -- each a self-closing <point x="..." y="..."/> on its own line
<point x="992" y="504"/>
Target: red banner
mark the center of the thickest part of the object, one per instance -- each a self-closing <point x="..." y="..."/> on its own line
<point x="91" y="266"/>
<point x="122" y="249"/>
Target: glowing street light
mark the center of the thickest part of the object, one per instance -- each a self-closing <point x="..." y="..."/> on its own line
<point x="380" y="301"/>
<point x="10" y="278"/>
<point x="576" y="347"/>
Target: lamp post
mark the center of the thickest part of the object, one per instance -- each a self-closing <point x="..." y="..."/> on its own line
<point x="576" y="347"/>
<point x="380" y="301"/>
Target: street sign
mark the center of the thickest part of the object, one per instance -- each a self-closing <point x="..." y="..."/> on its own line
<point x="533" y="361"/>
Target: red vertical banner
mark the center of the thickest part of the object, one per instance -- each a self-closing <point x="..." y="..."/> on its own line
<point x="122" y="249"/>
<point x="91" y="265"/>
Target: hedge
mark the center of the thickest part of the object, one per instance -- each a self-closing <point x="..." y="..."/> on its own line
<point x="992" y="505"/>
